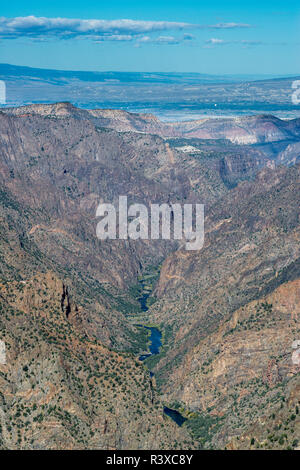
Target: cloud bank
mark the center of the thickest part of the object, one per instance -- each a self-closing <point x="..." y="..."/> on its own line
<point x="41" y="28"/>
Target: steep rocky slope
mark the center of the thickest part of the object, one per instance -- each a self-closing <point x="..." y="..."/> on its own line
<point x="63" y="389"/>
<point x="71" y="378"/>
<point x="261" y="136"/>
<point x="228" y="313"/>
<point x="241" y="130"/>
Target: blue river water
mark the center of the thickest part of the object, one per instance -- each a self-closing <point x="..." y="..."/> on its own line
<point x="175" y="415"/>
<point x="155" y="344"/>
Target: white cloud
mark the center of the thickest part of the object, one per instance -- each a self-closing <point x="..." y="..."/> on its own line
<point x="229" y="26"/>
<point x="158" y="40"/>
<point x="113" y="37"/>
<point x="33" y="27"/>
<point x="209" y="43"/>
<point x="215" y="41"/>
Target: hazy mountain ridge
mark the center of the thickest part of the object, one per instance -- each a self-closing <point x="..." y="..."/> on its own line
<point x="272" y="138"/>
<point x="10" y="70"/>
<point x="167" y="94"/>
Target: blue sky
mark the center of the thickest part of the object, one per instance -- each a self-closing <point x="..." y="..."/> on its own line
<point x="219" y="37"/>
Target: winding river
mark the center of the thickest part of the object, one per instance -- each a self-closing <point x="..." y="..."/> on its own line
<point x="154" y="347"/>
<point x="155" y="344"/>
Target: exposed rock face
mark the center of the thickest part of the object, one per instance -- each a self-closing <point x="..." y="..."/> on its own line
<point x="261" y="136"/>
<point x="63" y="389"/>
<point x="236" y="162"/>
<point x="233" y="308"/>
<point x="242" y="130"/>
<point x="229" y="313"/>
<point x="71" y="379"/>
<point x="64" y="167"/>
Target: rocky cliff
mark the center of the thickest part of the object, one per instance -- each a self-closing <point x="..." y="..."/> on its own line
<point x="229" y="313"/>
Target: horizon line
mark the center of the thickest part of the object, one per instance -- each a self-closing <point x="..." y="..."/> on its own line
<point x="226" y="74"/>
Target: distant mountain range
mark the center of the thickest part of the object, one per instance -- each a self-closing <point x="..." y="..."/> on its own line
<point x="9" y="71"/>
<point x="175" y="96"/>
<point x="262" y="137"/>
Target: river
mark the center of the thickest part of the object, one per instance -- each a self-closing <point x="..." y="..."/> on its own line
<point x="155" y="344"/>
<point x="154" y="347"/>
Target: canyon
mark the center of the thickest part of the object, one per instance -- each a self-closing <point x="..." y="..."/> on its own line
<point x="228" y="313"/>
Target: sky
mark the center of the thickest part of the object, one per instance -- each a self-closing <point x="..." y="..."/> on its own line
<point x="218" y="37"/>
